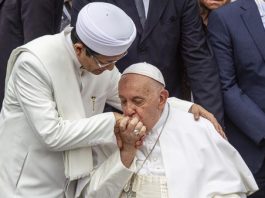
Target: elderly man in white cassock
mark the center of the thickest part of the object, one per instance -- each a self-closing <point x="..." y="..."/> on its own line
<point x="180" y="158"/>
<point x="56" y="89"/>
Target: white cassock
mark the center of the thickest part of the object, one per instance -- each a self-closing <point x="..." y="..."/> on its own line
<point x="196" y="161"/>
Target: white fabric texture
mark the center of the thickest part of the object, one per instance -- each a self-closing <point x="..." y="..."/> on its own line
<point x="146" y="7"/>
<point x="154" y="164"/>
<point x="180" y="104"/>
<point x="199" y="159"/>
<point x="35" y="125"/>
<point x="109" y="174"/>
<point x="231" y="196"/>
<point x="145" y="69"/>
<point x="105" y="28"/>
<point x="149" y="187"/>
<point x="196" y="157"/>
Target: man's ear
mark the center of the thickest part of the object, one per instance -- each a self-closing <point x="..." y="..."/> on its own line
<point x="163" y="97"/>
<point x="78" y="48"/>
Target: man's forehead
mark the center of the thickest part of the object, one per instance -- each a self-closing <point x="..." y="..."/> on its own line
<point x="134" y="86"/>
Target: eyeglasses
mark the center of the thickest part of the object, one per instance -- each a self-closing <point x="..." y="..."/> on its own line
<point x="100" y="65"/>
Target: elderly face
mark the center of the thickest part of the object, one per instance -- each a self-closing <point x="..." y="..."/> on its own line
<point x="213" y="4"/>
<point x="142" y="97"/>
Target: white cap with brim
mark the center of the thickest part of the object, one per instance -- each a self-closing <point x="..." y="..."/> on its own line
<point x="146" y="69"/>
<point x="105" y="28"/>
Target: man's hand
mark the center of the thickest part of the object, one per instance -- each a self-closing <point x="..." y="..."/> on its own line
<point x="118" y="118"/>
<point x="198" y="111"/>
<point x="123" y="122"/>
<point x="131" y="132"/>
<point x="130" y="135"/>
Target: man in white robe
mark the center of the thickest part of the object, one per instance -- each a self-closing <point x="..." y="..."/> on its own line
<point x="180" y="158"/>
<point x="56" y="89"/>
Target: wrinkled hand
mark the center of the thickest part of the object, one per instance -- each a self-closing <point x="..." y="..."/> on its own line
<point x="118" y="118"/>
<point x="198" y="111"/>
<point x="130" y="133"/>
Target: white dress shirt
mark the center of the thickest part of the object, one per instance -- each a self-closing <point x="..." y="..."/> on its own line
<point x="146" y="7"/>
<point x="261" y="7"/>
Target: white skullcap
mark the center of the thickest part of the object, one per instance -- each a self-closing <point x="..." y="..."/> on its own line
<point x="146" y="69"/>
<point x="105" y="28"/>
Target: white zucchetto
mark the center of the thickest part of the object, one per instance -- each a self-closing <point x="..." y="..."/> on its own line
<point x="146" y="69"/>
<point x="105" y="28"/>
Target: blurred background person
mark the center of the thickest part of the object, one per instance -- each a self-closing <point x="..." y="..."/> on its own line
<point x="237" y="35"/>
<point x="22" y="21"/>
<point x="206" y="6"/>
<point x="66" y="15"/>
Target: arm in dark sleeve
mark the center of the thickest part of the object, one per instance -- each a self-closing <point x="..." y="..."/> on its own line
<point x="243" y="112"/>
<point x="40" y="17"/>
<point x="198" y="58"/>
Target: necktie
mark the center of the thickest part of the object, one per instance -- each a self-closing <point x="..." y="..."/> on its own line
<point x="141" y="11"/>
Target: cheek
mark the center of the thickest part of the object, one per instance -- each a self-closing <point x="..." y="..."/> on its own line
<point x="206" y="3"/>
<point x="82" y="60"/>
<point x="145" y="116"/>
<point x="88" y="65"/>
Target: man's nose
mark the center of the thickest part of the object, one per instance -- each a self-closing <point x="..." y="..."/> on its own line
<point x="129" y="110"/>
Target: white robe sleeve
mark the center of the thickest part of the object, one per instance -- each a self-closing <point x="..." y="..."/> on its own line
<point x="113" y="95"/>
<point x="109" y="178"/>
<point x="239" y="195"/>
<point x="34" y="92"/>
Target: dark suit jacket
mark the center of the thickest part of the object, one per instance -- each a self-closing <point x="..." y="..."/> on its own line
<point x="172" y="35"/>
<point x="22" y="21"/>
<point x="237" y="35"/>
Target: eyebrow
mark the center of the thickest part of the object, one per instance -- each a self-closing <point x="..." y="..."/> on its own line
<point x="135" y="97"/>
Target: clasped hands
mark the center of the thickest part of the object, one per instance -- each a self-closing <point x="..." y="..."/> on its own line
<point x="130" y="132"/>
